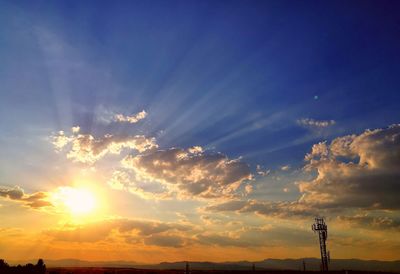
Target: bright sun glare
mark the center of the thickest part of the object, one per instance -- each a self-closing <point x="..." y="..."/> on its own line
<point x="78" y="201"/>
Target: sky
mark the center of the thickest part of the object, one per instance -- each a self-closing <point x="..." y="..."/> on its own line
<point x="154" y="131"/>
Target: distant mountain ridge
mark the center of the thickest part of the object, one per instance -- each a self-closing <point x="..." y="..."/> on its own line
<point x="286" y="264"/>
<point x="267" y="264"/>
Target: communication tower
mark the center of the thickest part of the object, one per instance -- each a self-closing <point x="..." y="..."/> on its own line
<point x="322" y="229"/>
<point x="187" y="269"/>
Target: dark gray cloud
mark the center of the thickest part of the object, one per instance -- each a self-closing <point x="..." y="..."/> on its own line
<point x="35" y="200"/>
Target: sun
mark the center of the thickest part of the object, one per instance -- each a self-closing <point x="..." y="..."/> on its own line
<point x="78" y="201"/>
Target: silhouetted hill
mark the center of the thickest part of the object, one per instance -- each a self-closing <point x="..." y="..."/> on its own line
<point x="268" y="264"/>
<point x="284" y="264"/>
<point x="336" y="264"/>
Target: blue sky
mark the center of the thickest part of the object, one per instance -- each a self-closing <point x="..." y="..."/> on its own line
<point x="259" y="81"/>
<point x="206" y="70"/>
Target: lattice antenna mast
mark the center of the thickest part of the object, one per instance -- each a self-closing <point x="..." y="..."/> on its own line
<point x="322" y="229"/>
<point x="187" y="269"/>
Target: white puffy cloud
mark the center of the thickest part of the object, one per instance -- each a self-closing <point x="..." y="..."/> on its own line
<point x="75" y="129"/>
<point x="132" y="119"/>
<point x="85" y="148"/>
<point x="360" y="171"/>
<point x="353" y="173"/>
<point x="191" y="172"/>
<point x="106" y="115"/>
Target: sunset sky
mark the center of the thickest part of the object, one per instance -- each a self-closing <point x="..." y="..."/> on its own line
<point x="154" y="131"/>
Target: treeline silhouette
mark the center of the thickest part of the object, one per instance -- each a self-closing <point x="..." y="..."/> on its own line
<point x="39" y="268"/>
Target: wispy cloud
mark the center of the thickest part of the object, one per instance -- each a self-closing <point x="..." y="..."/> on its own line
<point x="124" y="180"/>
<point x="132" y="231"/>
<point x="261" y="236"/>
<point x="366" y="220"/>
<point x="312" y="123"/>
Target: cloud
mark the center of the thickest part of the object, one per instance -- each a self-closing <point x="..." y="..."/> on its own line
<point x="375" y="222"/>
<point x="191" y="172"/>
<point x="280" y="209"/>
<point x="160" y="174"/>
<point x="224" y="240"/>
<point x="165" y="240"/>
<point x="85" y="148"/>
<point x="307" y="122"/>
<point x="210" y="220"/>
<point x="355" y="171"/>
<point x="264" y="236"/>
<point x="75" y="129"/>
<point x="176" y="235"/>
<point x="130" y="119"/>
<point x="146" y="228"/>
<point x="93" y="232"/>
<point x="248" y="189"/>
<point x="262" y="172"/>
<point x="108" y="115"/>
<point x="285" y="189"/>
<point x="35" y="200"/>
<point x="285" y="168"/>
<point x="133" y="231"/>
<point x="121" y="180"/>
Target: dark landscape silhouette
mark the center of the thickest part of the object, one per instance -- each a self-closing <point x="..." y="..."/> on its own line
<point x="268" y="266"/>
<point x="39" y="268"/>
